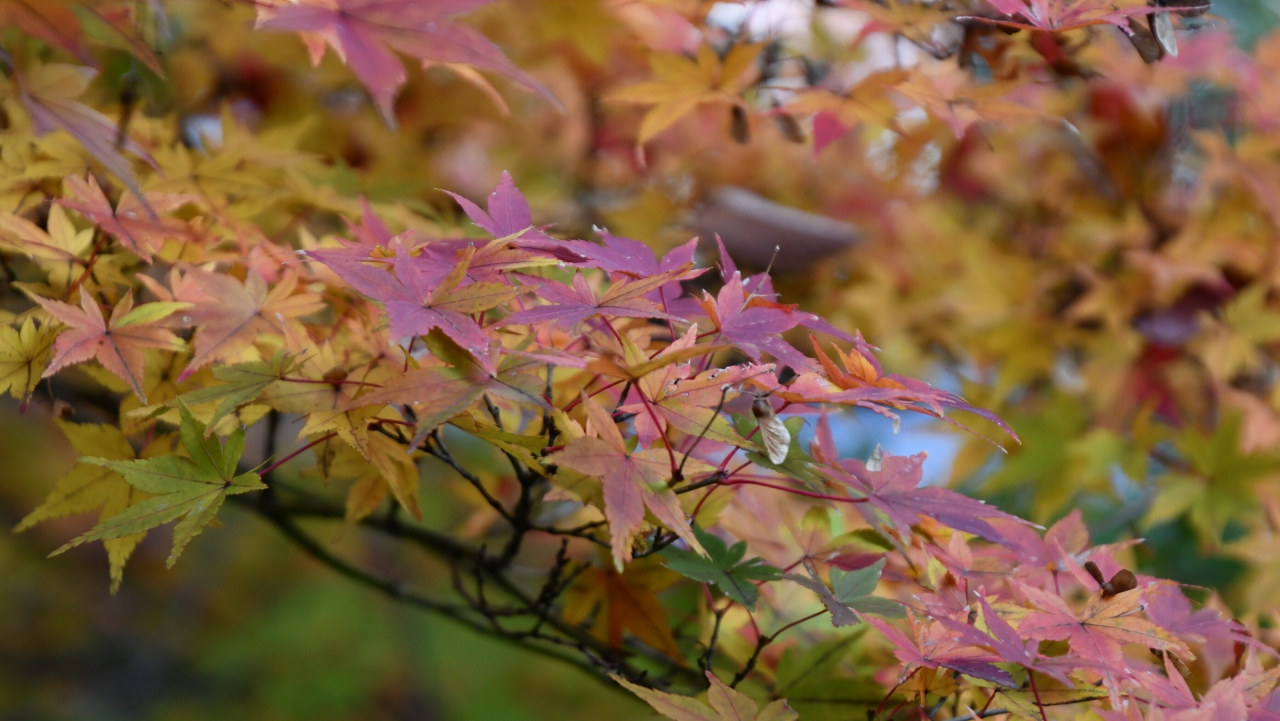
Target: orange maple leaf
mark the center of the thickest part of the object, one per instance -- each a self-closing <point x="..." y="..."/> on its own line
<point x="231" y="315"/>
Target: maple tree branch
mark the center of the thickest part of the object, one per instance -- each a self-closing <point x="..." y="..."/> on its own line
<point x="271" y="440"/>
<point x="437" y="449"/>
<point x="395" y="591"/>
<point x="895" y="688"/>
<point x="605" y="657"/>
<point x="99" y="240"/>
<point x="583" y="531"/>
<point x="796" y="491"/>
<point x="763" y="641"/>
<point x="704" y="662"/>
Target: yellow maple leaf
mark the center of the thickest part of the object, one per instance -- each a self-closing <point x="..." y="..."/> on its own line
<point x="24" y="354"/>
<point x="87" y="487"/>
<point x="684" y="83"/>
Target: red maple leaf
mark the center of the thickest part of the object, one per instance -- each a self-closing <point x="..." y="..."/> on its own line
<point x="935" y="646"/>
<point x="893" y="488"/>
<point x="631" y="482"/>
<point x="129" y="222"/>
<point x="860" y="380"/>
<point x="364" y="32"/>
<point x="755" y="324"/>
<point x="117" y="343"/>
<point x="569" y="306"/>
<point x="508" y="212"/>
<point x="1169" y="608"/>
<point x="1039" y="561"/>
<point x="1098" y="633"/>
<point x="417" y="299"/>
<point x="1010" y="646"/>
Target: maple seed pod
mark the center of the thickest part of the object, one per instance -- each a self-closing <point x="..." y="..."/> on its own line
<point x="1178" y="664"/>
<point x="1162" y="28"/>
<point x="738" y="125"/>
<point x="777" y="439"/>
<point x="1122" y="581"/>
<point x="790" y="127"/>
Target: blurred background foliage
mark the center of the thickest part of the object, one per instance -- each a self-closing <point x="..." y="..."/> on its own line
<point x="1088" y="284"/>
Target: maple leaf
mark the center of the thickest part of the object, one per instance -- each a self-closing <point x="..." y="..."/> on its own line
<point x="754" y="324"/>
<point x="1039" y="561"/>
<point x="1062" y="15"/>
<point x="241" y="384"/>
<point x="861" y="381"/>
<point x="850" y="593"/>
<point x="683" y="83"/>
<point x="723" y="566"/>
<point x="508" y="213"/>
<point x="569" y="306"/>
<point x="723" y="704"/>
<point x="631" y="257"/>
<point x="389" y="468"/>
<point x="133" y="221"/>
<point x="191" y="488"/>
<point x="117" y="343"/>
<point x="624" y="602"/>
<point x="1011" y="647"/>
<point x="50" y="20"/>
<point x="892" y="487"/>
<point x="89" y="487"/>
<point x="59" y="249"/>
<point x="416" y="303"/>
<point x="324" y="391"/>
<point x="24" y="353"/>
<point x="632" y="482"/>
<point x="437" y="394"/>
<point x="946" y="92"/>
<point x="867" y="101"/>
<point x="689" y="404"/>
<point x="363" y="33"/>
<point x="48" y="93"/>
<point x="230" y="316"/>
<point x="1169" y="608"/>
<point x="936" y="647"/>
<point x="1219" y="484"/>
<point x="1098" y="632"/>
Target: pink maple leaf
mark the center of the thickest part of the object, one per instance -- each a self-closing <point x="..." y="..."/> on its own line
<point x="365" y="32"/>
<point x="935" y="647"/>
<point x="569" y="306"/>
<point x="894" y="489"/>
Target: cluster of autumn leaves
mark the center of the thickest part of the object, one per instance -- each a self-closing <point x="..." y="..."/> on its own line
<point x="587" y="364"/>
<point x="671" y="419"/>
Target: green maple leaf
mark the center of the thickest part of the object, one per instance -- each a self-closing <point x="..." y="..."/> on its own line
<point x="192" y="489"/>
<point x="850" y="591"/>
<point x="724" y="567"/>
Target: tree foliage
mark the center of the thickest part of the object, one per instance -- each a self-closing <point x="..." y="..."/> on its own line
<point x="236" y="295"/>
